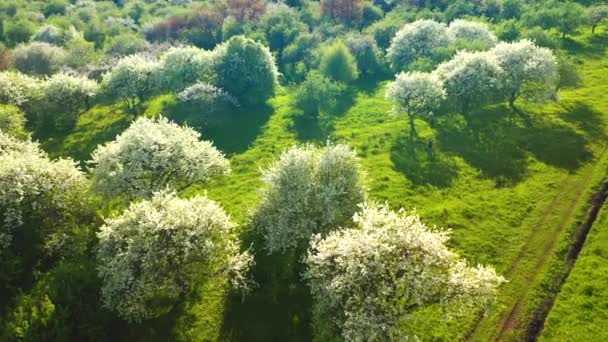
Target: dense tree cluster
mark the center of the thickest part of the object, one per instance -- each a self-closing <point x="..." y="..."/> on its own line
<point x="146" y="237"/>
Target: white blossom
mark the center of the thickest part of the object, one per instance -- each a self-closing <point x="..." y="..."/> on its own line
<point x="416" y="93"/>
<point x="365" y="279"/>
<point x="529" y="71"/>
<point x="134" y="77"/>
<point x="308" y="190"/>
<point x="207" y="96"/>
<point x="158" y="249"/>
<point x="31" y="183"/>
<point x="151" y="155"/>
<point x="415" y="40"/>
<point x="184" y="66"/>
<point x="18" y="89"/>
<point x="470" y="77"/>
<point x="471" y="31"/>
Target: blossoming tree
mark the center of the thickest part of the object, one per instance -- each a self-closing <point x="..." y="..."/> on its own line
<point x="365" y="279"/>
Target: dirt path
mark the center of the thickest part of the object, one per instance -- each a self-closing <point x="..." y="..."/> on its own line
<point x="540" y="248"/>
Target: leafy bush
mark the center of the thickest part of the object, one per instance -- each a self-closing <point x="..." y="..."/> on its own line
<point x="63" y="97"/>
<point x="208" y="97"/>
<point x="12" y="121"/>
<point x="338" y="63"/>
<point x="184" y="66"/>
<point x="366" y="53"/>
<point x="246" y="69"/>
<point x="316" y="94"/>
<point x="38" y="58"/>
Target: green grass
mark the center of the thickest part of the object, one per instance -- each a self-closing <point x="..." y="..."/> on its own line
<point x="580" y="312"/>
<point x="508" y="190"/>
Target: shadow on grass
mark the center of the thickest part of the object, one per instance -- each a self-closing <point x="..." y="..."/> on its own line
<point x="317" y="129"/>
<point x="419" y="167"/>
<point x="497" y="144"/>
<point x="588" y="48"/>
<point x="586" y="119"/>
<point x="96" y="126"/>
<point x="488" y="142"/>
<point x="231" y="129"/>
<point x="278" y="309"/>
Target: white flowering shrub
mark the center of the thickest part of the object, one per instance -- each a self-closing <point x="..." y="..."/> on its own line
<point x="207" y="96"/>
<point x="470" y="78"/>
<point x="365" y="279"/>
<point x="154" y="252"/>
<point x="133" y="79"/>
<point x="417" y="94"/>
<point x="471" y="31"/>
<point x="63" y="97"/>
<point x="18" y="89"/>
<point x="529" y="71"/>
<point x="308" y="191"/>
<point x="246" y="69"/>
<point x="38" y="58"/>
<point x="415" y="40"/>
<point x="151" y="155"/>
<point x="184" y="66"/>
<point x="34" y="189"/>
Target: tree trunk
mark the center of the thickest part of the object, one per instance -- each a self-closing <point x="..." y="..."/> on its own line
<point x="593" y="29"/>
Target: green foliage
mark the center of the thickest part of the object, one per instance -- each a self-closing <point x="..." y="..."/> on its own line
<point x="12" y="121"/>
<point x="38" y="58"/>
<point x="54" y="7"/>
<point x="316" y="94"/>
<point x="246" y="69"/>
<point x="508" y="30"/>
<point x="18" y="32"/>
<point x="338" y="63"/>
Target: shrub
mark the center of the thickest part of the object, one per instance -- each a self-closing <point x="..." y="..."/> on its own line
<point x="316" y="94"/>
<point x="471" y="31"/>
<point x="63" y="97"/>
<point x="18" y="89"/>
<point x="366" y="53"/>
<point x="246" y="69"/>
<point x="18" y="32"/>
<point x="12" y="121"/>
<point x="184" y="66"/>
<point x="125" y="44"/>
<point x="207" y="96"/>
<point x="338" y="63"/>
<point x="49" y="34"/>
<point x="38" y="58"/>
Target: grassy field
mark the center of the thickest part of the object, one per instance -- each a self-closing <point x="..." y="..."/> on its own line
<point x="581" y="309"/>
<point x="510" y="191"/>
